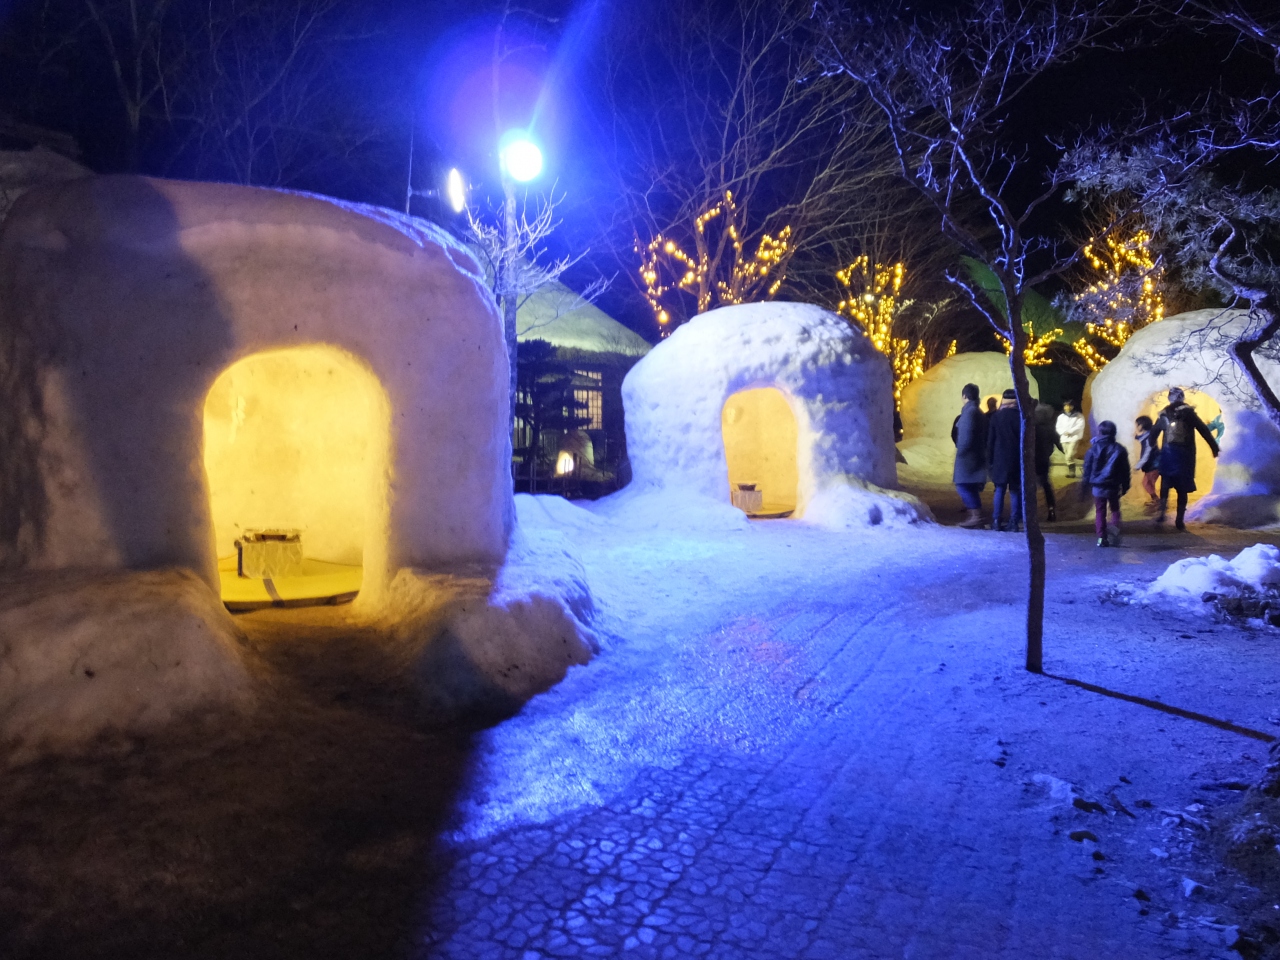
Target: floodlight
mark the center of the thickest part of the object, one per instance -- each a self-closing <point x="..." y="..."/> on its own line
<point x="520" y="156"/>
<point x="456" y="190"/>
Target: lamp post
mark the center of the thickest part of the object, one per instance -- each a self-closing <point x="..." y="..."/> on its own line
<point x="520" y="161"/>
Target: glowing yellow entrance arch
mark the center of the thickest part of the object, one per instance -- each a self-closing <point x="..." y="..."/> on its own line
<point x="298" y="440"/>
<point x="760" y="438"/>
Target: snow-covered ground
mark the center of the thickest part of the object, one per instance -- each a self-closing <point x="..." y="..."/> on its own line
<point x="794" y="742"/>
<point x="865" y="692"/>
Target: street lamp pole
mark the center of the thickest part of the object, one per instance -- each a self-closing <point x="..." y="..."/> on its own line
<point x="510" y="251"/>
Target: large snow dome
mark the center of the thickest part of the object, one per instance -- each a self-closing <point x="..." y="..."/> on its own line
<point x="1191" y="350"/>
<point x="185" y="361"/>
<point x="931" y="402"/>
<point x="783" y="396"/>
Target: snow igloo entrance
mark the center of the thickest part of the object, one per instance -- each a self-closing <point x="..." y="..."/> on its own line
<point x="296" y="446"/>
<point x="1206" y="465"/>
<point x="760" y="449"/>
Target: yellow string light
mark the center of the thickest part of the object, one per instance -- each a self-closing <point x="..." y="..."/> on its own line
<point x="752" y="278"/>
<point x="1035" y="353"/>
<point x="1122" y="312"/>
<point x="872" y="299"/>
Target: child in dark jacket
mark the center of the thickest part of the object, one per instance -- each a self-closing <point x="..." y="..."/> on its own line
<point x="1148" y="457"/>
<point x="1106" y="473"/>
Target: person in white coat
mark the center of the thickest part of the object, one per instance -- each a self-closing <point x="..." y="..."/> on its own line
<point x="1071" y="432"/>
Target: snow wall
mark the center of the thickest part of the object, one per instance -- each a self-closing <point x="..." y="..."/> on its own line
<point x="1191" y="350"/>
<point x="122" y="299"/>
<point x="931" y="403"/>
<point x="838" y="387"/>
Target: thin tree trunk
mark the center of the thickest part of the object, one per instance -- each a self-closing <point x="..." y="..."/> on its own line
<point x="1030" y="504"/>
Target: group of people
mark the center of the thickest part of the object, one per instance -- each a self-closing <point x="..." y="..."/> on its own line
<point x="989" y="448"/>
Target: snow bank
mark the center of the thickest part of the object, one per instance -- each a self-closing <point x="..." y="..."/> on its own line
<point x="83" y="655"/>
<point x="669" y="507"/>
<point x="836" y="386"/>
<point x="1254" y="569"/>
<point x="1191" y="350"/>
<point x="483" y="646"/>
<point x="855" y="506"/>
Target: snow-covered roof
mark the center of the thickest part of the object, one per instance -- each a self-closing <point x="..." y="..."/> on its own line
<point x="562" y="318"/>
<point x="20" y="170"/>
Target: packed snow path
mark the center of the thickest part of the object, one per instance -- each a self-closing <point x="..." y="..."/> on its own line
<point x="804" y="745"/>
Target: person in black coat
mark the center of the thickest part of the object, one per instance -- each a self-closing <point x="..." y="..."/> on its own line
<point x="1106" y="473"/>
<point x="970" y="472"/>
<point x="1178" y="425"/>
<point x="1004" y="454"/>
<point x="1046" y="440"/>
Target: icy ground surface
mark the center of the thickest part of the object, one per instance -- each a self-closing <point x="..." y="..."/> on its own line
<point x="801" y="744"/>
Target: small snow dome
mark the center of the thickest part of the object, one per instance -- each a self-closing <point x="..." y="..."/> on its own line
<point x="1192" y="351"/>
<point x="764" y="404"/>
<point x="219" y="377"/>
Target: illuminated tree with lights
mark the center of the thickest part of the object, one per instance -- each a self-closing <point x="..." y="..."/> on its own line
<point x="720" y="271"/>
<point x="745" y="169"/>
<point x="872" y="299"/>
<point x="1036" y="351"/>
<point x="1126" y="295"/>
<point x="1183" y="175"/>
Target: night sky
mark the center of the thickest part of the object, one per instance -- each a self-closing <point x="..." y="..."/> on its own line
<point x="429" y="66"/>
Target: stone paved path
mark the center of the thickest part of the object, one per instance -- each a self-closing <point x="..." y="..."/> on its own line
<point x="854" y="778"/>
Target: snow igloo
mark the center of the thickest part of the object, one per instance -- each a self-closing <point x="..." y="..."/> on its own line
<point x="781" y="409"/>
<point x="188" y="365"/>
<point x="931" y="402"/>
<point x="1192" y="350"/>
<point x="189" y="361"/>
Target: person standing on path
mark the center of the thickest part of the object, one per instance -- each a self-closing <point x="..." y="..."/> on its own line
<point x="1046" y="440"/>
<point x="1178" y="424"/>
<point x="1071" y="434"/>
<point x="1106" y="473"/>
<point x="1148" y="458"/>
<point x="1004" y="454"/>
<point x="970" y="471"/>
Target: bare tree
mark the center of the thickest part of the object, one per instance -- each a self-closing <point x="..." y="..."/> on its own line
<point x="140" y="44"/>
<point x="747" y="171"/>
<point x="945" y="88"/>
<point x="261" y="101"/>
<point x="512" y="242"/>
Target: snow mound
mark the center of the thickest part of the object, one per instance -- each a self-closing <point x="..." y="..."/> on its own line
<point x="856" y="506"/>
<point x="1193" y="350"/>
<point x="482" y="646"/>
<point x="837" y="387"/>
<point x="543" y="511"/>
<point x="1254" y="569"/>
<point x="83" y="655"/>
<point x="675" y="508"/>
<point x="931" y="401"/>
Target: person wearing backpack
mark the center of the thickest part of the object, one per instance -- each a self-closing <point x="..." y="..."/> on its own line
<point x="1178" y="425"/>
<point x="1106" y="473"/>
